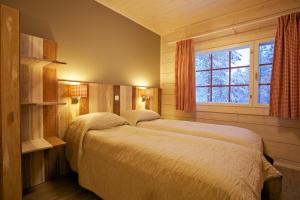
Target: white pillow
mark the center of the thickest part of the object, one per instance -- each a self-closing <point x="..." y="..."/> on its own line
<point x="100" y="120"/>
<point x="135" y="116"/>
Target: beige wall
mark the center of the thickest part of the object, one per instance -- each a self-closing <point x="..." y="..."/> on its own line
<point x="281" y="137"/>
<point x="98" y="44"/>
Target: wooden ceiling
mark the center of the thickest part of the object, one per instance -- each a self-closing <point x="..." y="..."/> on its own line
<point x="165" y="16"/>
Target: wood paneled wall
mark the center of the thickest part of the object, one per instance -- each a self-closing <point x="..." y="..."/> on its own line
<point x="104" y="98"/>
<point x="10" y="147"/>
<point x="281" y="137"/>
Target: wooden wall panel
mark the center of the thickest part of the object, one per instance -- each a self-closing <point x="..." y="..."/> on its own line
<point x="116" y="99"/>
<point x="84" y="103"/>
<point x="125" y="98"/>
<point x="66" y="113"/>
<point x="33" y="169"/>
<point x="10" y="147"/>
<point x="133" y="98"/>
<point x="49" y="49"/>
<point x="281" y="136"/>
<point x="101" y="97"/>
<point x="31" y="46"/>
<point x="50" y="95"/>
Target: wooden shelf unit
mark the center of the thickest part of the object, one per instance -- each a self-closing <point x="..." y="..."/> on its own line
<point x="35" y="145"/>
<point x="55" y="141"/>
<point x="34" y="60"/>
<point x="31" y="146"/>
<point x="42" y="149"/>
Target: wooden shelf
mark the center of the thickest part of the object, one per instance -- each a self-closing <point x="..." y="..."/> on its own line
<point x="35" y="145"/>
<point x="41" y="144"/>
<point x="33" y="60"/>
<point x="43" y="103"/>
<point x="55" y="141"/>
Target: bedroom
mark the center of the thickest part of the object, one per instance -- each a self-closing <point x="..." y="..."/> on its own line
<point x="211" y="117"/>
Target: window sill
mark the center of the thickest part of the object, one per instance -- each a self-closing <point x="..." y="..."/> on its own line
<point x="246" y="109"/>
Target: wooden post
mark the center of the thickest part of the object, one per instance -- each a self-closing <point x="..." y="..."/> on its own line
<point x="10" y="147"/>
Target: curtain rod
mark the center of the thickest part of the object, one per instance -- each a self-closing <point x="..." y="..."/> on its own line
<point x="242" y="24"/>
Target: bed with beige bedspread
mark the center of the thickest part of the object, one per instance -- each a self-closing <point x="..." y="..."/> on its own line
<point x="122" y="162"/>
<point x="151" y="120"/>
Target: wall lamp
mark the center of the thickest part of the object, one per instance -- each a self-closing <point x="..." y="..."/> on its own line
<point x="145" y="98"/>
<point x="77" y="91"/>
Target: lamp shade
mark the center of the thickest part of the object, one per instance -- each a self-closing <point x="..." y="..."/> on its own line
<point x="78" y="90"/>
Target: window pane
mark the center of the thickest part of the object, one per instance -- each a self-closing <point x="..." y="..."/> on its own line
<point x="265" y="73"/>
<point x="202" y="61"/>
<point x="203" y="78"/>
<point x="266" y="52"/>
<point x="240" y="76"/>
<point x="264" y="94"/>
<point x="220" y="94"/>
<point x="239" y="94"/>
<point x="240" y="57"/>
<point x="202" y="94"/>
<point x="220" y="77"/>
<point x="220" y="59"/>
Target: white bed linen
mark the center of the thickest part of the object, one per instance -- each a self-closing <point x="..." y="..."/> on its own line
<point x="231" y="134"/>
<point x="129" y="163"/>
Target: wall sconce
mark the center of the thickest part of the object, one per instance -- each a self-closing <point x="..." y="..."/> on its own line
<point x="145" y="98"/>
<point x="77" y="92"/>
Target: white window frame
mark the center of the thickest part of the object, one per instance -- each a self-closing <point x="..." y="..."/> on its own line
<point x="253" y="107"/>
<point x="256" y="71"/>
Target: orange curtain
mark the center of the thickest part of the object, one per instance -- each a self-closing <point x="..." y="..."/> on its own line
<point x="285" y="82"/>
<point x="185" y="76"/>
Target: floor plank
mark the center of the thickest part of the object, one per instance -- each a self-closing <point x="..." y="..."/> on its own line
<point x="63" y="188"/>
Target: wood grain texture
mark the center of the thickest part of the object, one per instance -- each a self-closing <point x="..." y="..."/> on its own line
<point x="39" y="95"/>
<point x="101" y="97"/>
<point x="116" y="101"/>
<point x="50" y="95"/>
<point x="281" y="136"/>
<point x="125" y="98"/>
<point x="33" y="169"/>
<point x="30" y="146"/>
<point x="49" y="49"/>
<point x="10" y="174"/>
<point x="31" y="46"/>
<point x="84" y="103"/>
<point x="133" y="97"/>
<point x="159" y="16"/>
<point x="66" y="113"/>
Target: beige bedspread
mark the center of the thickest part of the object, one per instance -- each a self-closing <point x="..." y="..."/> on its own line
<point x="120" y="162"/>
<point x="231" y="134"/>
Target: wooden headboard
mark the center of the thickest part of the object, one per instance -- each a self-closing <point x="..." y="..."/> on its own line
<point x="105" y="98"/>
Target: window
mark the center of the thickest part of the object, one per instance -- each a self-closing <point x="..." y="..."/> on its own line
<point x="223" y="76"/>
<point x="265" y="61"/>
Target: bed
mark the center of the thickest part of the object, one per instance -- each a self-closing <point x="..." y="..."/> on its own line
<point x="118" y="161"/>
<point x="152" y="120"/>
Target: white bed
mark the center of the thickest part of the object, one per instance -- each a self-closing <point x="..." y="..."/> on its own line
<point x="152" y="120"/>
<point x="118" y="161"/>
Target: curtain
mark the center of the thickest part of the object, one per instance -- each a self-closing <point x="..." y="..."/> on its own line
<point x="285" y="81"/>
<point x="185" y="76"/>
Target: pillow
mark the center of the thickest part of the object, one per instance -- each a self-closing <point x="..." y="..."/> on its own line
<point x="135" y="116"/>
<point x="100" y="120"/>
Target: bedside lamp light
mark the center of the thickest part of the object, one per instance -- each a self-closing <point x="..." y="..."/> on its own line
<point x="77" y="92"/>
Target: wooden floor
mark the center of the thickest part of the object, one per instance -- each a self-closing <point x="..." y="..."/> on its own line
<point x="64" y="188"/>
<point x="67" y="188"/>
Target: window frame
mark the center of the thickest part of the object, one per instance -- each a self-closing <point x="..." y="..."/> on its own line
<point x="253" y="107"/>
<point x="256" y="71"/>
<point x="239" y="45"/>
